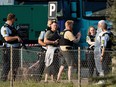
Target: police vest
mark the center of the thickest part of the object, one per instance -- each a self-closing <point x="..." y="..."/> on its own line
<point x="92" y="38"/>
<point x="13" y="33"/>
<point x="64" y="41"/>
<point x="53" y="36"/>
<point x="48" y="28"/>
<point x="110" y="41"/>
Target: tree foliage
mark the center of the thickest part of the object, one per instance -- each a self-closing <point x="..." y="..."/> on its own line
<point x="113" y="15"/>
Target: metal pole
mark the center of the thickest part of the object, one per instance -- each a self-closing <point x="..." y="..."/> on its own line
<point x="79" y="68"/>
<point x="22" y="58"/>
<point x="11" y="66"/>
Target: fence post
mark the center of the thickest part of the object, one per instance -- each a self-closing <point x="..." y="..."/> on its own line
<point x="21" y="57"/>
<point x="79" y="68"/>
<point x="11" y="66"/>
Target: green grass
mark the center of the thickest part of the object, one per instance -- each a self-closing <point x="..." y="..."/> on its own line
<point x="50" y="84"/>
<point x="35" y="84"/>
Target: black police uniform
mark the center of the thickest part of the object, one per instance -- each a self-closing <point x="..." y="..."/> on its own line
<point x="106" y="63"/>
<point x="6" y="55"/>
<point x="41" y="58"/>
<point x="90" y="57"/>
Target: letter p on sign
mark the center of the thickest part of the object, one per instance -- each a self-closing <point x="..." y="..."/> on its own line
<point x="52" y="10"/>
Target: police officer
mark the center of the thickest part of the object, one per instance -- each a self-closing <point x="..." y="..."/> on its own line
<point x="106" y="45"/>
<point x="43" y="49"/>
<point x="42" y="34"/>
<point x="97" y="51"/>
<point x="10" y="38"/>
<point x="90" y="53"/>
<point x="66" y="43"/>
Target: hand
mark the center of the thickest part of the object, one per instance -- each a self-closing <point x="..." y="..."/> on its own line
<point x="93" y="43"/>
<point x="78" y="34"/>
<point x="46" y="46"/>
<point x="101" y="59"/>
<point x="19" y="39"/>
<point x="56" y="41"/>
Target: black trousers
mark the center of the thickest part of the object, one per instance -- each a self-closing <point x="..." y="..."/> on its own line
<point x="106" y="63"/>
<point x="41" y="57"/>
<point x="6" y="63"/>
<point x="90" y="62"/>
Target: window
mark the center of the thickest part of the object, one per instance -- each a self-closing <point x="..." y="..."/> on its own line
<point x="94" y="8"/>
<point x="75" y="8"/>
<point x="96" y="0"/>
<point x="41" y="0"/>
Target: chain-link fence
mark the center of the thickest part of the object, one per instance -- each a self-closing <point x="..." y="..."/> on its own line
<point x="29" y="64"/>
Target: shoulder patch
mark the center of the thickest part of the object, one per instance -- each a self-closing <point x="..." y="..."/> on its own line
<point x="5" y="32"/>
<point x="61" y="33"/>
<point x="103" y="42"/>
<point x="87" y="38"/>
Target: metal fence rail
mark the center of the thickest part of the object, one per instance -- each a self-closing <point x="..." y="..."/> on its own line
<point x="30" y="60"/>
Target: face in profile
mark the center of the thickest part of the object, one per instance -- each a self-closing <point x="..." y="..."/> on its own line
<point x="54" y="26"/>
<point x="71" y="25"/>
<point x="13" y="20"/>
<point x="101" y="26"/>
<point x="49" y="23"/>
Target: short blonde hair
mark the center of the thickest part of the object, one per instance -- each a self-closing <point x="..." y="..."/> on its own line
<point x="69" y="23"/>
<point x="49" y="22"/>
<point x="10" y="16"/>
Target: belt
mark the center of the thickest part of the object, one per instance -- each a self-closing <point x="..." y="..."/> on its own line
<point x="69" y="48"/>
<point x="43" y="50"/>
<point x="56" y="51"/>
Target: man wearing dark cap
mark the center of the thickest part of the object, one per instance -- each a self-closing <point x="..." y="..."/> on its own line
<point x="10" y="38"/>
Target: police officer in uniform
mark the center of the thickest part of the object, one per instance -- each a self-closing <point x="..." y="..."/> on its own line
<point x="90" y="51"/>
<point x="10" y="38"/>
<point x="43" y="49"/>
<point x="97" y="51"/>
<point x="106" y="45"/>
<point x="101" y="54"/>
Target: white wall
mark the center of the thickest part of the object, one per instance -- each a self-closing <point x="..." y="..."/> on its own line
<point x="6" y="2"/>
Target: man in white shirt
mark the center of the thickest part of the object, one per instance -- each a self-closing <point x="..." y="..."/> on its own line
<point x="106" y="45"/>
<point x="101" y="54"/>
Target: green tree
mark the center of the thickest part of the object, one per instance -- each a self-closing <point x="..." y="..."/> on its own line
<point x="111" y="78"/>
<point x="113" y="15"/>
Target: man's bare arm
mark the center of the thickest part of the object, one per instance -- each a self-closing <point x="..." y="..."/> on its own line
<point x="102" y="54"/>
<point x="12" y="38"/>
<point x="46" y="41"/>
<point x="41" y="42"/>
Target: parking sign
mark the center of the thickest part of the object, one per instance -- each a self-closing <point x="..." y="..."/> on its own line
<point x="52" y="10"/>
